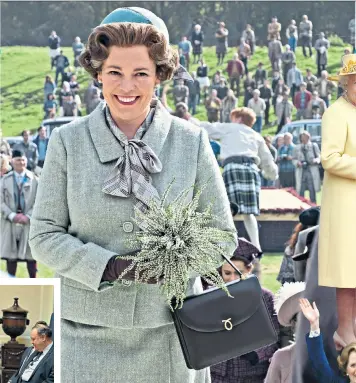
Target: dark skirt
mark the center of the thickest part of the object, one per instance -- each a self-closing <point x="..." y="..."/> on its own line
<point x="243" y="185"/>
<point x="221" y="47"/>
<point x="197" y="49"/>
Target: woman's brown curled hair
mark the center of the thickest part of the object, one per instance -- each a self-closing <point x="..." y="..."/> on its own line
<point x="126" y="35"/>
<point x="248" y="115"/>
<point x="343" y="358"/>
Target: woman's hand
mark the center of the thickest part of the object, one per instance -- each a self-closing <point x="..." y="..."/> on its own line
<point x="310" y="312"/>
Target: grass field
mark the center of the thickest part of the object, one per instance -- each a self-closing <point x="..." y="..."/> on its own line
<point x="23" y="70"/>
<point x="270" y="267"/>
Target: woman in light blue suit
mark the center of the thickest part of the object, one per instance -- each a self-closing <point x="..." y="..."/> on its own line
<point x="127" y="151"/>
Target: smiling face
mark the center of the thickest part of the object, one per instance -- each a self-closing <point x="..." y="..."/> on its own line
<point x="351" y="367"/>
<point x="128" y="77"/>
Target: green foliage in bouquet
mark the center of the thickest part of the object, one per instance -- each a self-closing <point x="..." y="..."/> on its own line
<point x="175" y="241"/>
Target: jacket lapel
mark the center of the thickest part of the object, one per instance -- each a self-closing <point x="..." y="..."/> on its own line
<point x="108" y="147"/>
<point x="157" y="133"/>
<point x="106" y="144"/>
<point x="43" y="360"/>
<point x="26" y="189"/>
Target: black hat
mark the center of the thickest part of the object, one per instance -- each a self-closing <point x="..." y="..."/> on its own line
<point x="310" y="217"/>
<point x="247" y="251"/>
<point x="18" y="153"/>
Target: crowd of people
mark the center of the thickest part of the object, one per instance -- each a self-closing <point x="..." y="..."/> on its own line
<point x="249" y="161"/>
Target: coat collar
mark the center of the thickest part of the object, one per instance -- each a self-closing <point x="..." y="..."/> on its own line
<point x="108" y="147"/>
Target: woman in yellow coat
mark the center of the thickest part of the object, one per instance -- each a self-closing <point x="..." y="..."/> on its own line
<point x="337" y="257"/>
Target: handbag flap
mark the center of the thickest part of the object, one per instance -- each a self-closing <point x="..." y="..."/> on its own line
<point x="214" y="310"/>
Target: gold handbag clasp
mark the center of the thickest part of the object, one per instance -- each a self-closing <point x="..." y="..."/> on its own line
<point x="227" y="324"/>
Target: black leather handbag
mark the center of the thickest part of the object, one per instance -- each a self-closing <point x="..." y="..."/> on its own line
<point x="213" y="328"/>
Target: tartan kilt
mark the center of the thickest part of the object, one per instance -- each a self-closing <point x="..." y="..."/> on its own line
<point x="243" y="185"/>
<point x="197" y="49"/>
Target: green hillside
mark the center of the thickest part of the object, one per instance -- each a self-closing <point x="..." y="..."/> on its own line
<point x="23" y="70"/>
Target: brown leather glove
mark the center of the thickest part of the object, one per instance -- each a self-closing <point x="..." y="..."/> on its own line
<point x="116" y="267"/>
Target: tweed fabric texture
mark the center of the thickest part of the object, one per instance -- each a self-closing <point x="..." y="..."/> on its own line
<point x="243" y="185"/>
<point x="98" y="354"/>
<point x="131" y="174"/>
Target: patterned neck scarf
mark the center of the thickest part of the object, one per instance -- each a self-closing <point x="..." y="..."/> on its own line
<point x="131" y="174"/>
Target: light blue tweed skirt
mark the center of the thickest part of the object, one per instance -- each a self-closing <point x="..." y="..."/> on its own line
<point x="92" y="354"/>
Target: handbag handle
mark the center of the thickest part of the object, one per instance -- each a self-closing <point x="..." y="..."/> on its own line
<point x="233" y="266"/>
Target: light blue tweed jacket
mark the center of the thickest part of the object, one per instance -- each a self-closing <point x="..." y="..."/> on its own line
<point x="76" y="228"/>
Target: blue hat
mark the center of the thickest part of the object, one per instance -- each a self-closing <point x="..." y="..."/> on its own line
<point x="144" y="16"/>
<point x="136" y="15"/>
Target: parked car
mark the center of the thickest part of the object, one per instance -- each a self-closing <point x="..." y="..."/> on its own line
<point x="12" y="141"/>
<point x="52" y="123"/>
<point x="297" y="127"/>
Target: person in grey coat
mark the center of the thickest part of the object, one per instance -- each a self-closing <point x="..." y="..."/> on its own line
<point x="18" y="191"/>
<point x="83" y="216"/>
<point x="321" y="46"/>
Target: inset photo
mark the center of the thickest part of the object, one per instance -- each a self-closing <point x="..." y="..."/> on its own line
<point x="29" y="330"/>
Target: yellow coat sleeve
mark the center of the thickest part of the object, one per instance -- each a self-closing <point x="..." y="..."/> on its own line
<point x="333" y="141"/>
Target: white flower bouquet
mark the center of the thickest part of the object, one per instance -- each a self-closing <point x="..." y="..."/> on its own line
<point x="175" y="241"/>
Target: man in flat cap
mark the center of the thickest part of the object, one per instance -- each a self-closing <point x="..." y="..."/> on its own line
<point x="18" y="191"/>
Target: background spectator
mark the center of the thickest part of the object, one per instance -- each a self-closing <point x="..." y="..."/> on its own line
<point x="228" y="104"/>
<point x="288" y="57"/>
<point x="78" y="48"/>
<point x="260" y="75"/>
<point x="274" y="29"/>
<point x="60" y="62"/>
<point x="197" y="43"/>
<point x="285" y="162"/>
<point x="235" y="70"/>
<point x="294" y="79"/>
<point x="306" y="35"/>
<point x="307" y="160"/>
<point x="284" y="111"/>
<point x="292" y="35"/>
<point x="186" y="46"/>
<point x="213" y="106"/>
<point x="258" y="105"/>
<point x="49" y="87"/>
<point x="301" y="101"/>
<point x="221" y="42"/>
<point x="249" y="36"/>
<point x="266" y="95"/>
<point x="50" y="106"/>
<point x="194" y="93"/>
<point x="29" y="149"/>
<point x="41" y="142"/>
<point x="321" y="46"/>
<point x="54" y="43"/>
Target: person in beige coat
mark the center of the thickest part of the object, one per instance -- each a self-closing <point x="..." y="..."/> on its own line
<point x="306" y="158"/>
<point x="337" y="260"/>
<point x="315" y="101"/>
<point x="18" y="191"/>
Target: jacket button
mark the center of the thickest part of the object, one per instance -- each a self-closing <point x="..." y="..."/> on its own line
<point x="125" y="282"/>
<point x="128" y="227"/>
